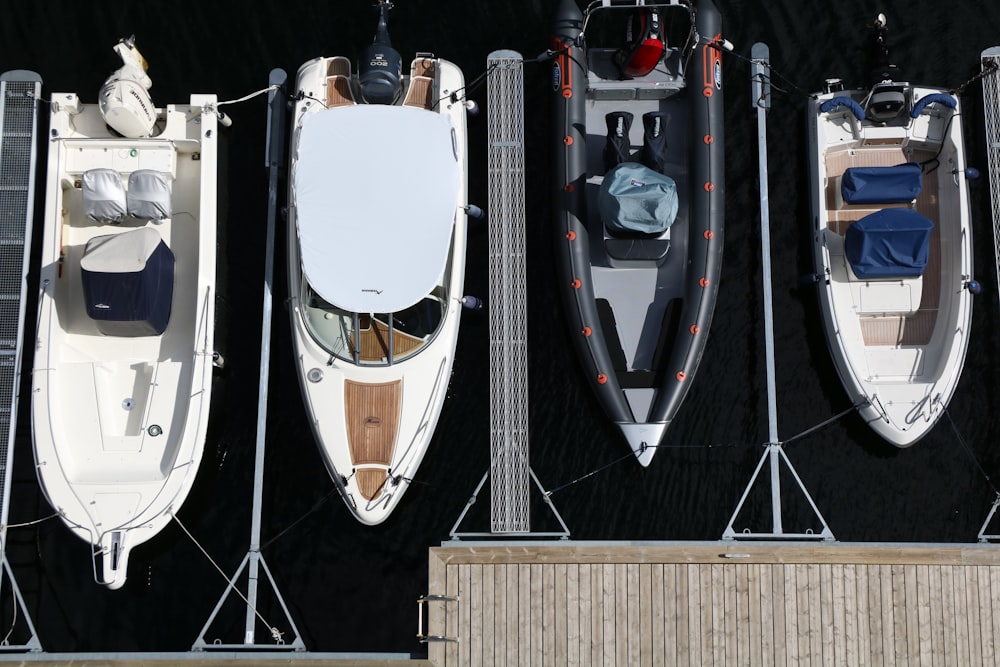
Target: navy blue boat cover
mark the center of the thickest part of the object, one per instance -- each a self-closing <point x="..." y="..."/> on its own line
<point x="891" y="243"/>
<point x="881" y="185"/>
<point x="128" y="283"/>
<point x="636" y="199"/>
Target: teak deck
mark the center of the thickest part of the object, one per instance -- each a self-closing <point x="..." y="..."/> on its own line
<point x="718" y="603"/>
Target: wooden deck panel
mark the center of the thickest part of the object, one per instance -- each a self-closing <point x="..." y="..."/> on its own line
<point x="684" y="605"/>
<point x="372" y="412"/>
<point x="374" y="341"/>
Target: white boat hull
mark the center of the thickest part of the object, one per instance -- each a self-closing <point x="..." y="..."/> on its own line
<point x="119" y="422"/>
<point x="898" y="344"/>
<point x="353" y="405"/>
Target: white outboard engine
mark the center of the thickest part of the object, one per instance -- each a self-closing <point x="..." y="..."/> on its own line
<point x="380" y="69"/>
<point x="124" y="100"/>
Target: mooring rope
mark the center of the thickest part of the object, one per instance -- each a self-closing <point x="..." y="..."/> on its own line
<point x="31" y="523"/>
<point x="825" y="422"/>
<point x="968" y="450"/>
<point x="275" y="633"/>
<point x="319" y="503"/>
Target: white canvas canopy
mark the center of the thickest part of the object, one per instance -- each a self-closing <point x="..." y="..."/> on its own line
<point x="376" y="195"/>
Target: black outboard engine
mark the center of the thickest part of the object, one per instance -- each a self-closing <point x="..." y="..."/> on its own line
<point x="380" y="69"/>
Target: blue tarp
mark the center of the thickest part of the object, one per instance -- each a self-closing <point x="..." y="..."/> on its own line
<point x="881" y="185"/>
<point x="891" y="243"/>
<point x="636" y="199"/>
<point x="128" y="283"/>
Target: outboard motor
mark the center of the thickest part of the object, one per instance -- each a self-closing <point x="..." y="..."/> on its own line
<point x="883" y="69"/>
<point x="380" y="69"/>
<point x="124" y="99"/>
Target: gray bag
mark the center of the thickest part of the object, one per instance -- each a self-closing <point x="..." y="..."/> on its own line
<point x="635" y="199"/>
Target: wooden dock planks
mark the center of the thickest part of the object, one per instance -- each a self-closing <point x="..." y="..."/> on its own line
<point x="716" y="603"/>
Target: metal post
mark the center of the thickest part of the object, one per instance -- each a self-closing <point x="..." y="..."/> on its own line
<point x="774" y="454"/>
<point x="254" y="560"/>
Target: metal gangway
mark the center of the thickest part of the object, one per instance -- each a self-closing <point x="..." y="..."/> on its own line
<point x="510" y="474"/>
<point x="990" y="68"/>
<point x="991" y="113"/>
<point x="20" y="91"/>
<point x="774" y="455"/>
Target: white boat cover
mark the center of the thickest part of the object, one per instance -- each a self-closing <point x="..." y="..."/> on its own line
<point x="148" y="195"/>
<point x="126" y="252"/>
<point x="376" y="196"/>
<point x="103" y="195"/>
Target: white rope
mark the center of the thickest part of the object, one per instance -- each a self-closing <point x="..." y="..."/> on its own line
<point x="248" y="97"/>
<point x="275" y="633"/>
<point x="31" y="523"/>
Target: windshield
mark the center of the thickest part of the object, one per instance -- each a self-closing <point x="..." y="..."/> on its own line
<point x="373" y="339"/>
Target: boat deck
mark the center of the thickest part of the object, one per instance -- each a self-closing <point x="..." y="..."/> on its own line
<point x="892" y="330"/>
<point x="718" y="603"/>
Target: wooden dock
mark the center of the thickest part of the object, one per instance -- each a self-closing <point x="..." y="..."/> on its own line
<point x="720" y="603"/>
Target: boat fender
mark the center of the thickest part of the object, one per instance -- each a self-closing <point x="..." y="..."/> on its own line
<point x="644" y="44"/>
<point x="470" y="302"/>
<point x="124" y="99"/>
<point x="975" y="287"/>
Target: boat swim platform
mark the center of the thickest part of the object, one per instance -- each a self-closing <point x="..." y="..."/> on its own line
<point x="714" y="603"/>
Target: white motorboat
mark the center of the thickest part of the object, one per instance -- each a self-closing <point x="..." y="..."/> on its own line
<point x="892" y="246"/>
<point x="376" y="240"/>
<point x="122" y="378"/>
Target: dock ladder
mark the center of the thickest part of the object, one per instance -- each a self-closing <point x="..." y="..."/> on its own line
<point x="510" y="474"/>
<point x="19" y="94"/>
<point x="991" y="113"/>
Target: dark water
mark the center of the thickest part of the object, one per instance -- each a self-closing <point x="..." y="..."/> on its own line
<point x="352" y="588"/>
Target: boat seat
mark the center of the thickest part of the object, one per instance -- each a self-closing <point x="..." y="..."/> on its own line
<point x="338" y="83"/>
<point x="338" y="92"/>
<point x="148" y="196"/>
<point x="420" y="93"/>
<point x="338" y="66"/>
<point x="103" y="195"/>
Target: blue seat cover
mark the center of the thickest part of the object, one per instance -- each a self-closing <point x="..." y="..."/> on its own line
<point x="891" y="243"/>
<point x="882" y="185"/>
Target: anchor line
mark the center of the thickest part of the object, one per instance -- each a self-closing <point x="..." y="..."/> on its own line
<point x="990" y="67"/>
<point x="972" y="455"/>
<point x="319" y="503"/>
<point x="644" y="447"/>
<point x="275" y="633"/>
<point x="825" y="422"/>
<point x="548" y="494"/>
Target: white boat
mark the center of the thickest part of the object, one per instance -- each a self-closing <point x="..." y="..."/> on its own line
<point x="892" y="246"/>
<point x="376" y="240"/>
<point x="122" y="377"/>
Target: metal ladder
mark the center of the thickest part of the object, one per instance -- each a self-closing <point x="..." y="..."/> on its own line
<point x="19" y="94"/>
<point x="510" y="474"/>
<point x="509" y="484"/>
<point x="991" y="113"/>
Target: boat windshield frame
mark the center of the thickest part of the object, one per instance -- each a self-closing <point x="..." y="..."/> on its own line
<point x="399" y="335"/>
